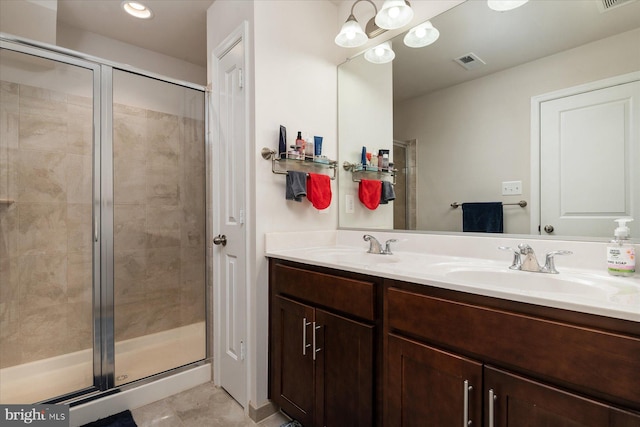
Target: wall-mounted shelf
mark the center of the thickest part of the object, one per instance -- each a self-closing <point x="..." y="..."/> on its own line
<point x="358" y="172"/>
<point x="281" y="166"/>
<point x="6" y="201"/>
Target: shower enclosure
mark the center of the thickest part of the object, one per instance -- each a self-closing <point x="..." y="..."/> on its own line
<point x="102" y="225"/>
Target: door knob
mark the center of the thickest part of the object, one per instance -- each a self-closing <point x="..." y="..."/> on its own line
<point x="548" y="228"/>
<point x="220" y="239"/>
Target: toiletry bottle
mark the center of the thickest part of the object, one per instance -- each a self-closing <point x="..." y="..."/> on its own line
<point x="363" y="157"/>
<point x="385" y="161"/>
<point x="374" y="160"/>
<point x="621" y="256"/>
<point x="300" y="145"/>
<point x="308" y="148"/>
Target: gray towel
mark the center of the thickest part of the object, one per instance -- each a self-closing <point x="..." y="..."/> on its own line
<point x="296" y="187"/>
<point x="387" y="193"/>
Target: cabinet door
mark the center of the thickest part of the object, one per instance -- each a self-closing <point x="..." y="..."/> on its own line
<point x="430" y="387"/>
<point x="291" y="359"/>
<point x="344" y="371"/>
<point x="520" y="402"/>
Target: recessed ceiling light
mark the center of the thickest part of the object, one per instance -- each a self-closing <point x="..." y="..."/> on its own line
<point x="504" y="5"/>
<point x="137" y="9"/>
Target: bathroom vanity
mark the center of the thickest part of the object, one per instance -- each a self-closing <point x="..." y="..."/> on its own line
<point x="354" y="349"/>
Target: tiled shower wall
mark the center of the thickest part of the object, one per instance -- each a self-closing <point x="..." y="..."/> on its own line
<point x="46" y="234"/>
<point x="159" y="216"/>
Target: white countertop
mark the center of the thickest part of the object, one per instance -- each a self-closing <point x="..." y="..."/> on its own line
<point x="575" y="288"/>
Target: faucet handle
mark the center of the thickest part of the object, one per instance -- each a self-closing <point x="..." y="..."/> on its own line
<point x="550" y="264"/>
<point x="517" y="261"/>
<point x="387" y="246"/>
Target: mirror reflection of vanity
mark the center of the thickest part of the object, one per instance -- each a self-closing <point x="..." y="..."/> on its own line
<point x="457" y="134"/>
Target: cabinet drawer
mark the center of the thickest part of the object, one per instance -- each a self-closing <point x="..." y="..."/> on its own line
<point x="602" y="363"/>
<point x="354" y="297"/>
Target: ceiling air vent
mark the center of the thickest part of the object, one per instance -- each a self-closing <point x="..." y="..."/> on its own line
<point x="470" y="61"/>
<point x="606" y="5"/>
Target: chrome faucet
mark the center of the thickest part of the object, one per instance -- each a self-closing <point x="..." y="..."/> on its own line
<point x="524" y="259"/>
<point x="375" y="247"/>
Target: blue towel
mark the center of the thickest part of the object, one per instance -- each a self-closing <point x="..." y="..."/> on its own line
<point x="296" y="187"/>
<point x="482" y="217"/>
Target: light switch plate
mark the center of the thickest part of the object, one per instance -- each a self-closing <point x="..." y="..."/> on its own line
<point x="349" y="203"/>
<point x="511" y="188"/>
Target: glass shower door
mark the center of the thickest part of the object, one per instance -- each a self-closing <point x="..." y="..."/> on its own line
<point x="46" y="226"/>
<point x="159" y="226"/>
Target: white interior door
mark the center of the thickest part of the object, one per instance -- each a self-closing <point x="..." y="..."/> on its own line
<point x="589" y="157"/>
<point x="230" y="294"/>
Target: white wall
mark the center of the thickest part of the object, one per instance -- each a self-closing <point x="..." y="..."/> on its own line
<point x="35" y="20"/>
<point x="124" y="53"/>
<point x="472" y="136"/>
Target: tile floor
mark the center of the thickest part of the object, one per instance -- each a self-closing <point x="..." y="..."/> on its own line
<point x="202" y="406"/>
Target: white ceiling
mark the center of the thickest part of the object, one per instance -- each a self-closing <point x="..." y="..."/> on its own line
<point x="178" y="28"/>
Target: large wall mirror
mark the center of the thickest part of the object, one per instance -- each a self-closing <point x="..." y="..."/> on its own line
<point x="543" y="100"/>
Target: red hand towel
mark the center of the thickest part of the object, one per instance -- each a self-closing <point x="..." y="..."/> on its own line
<point x="319" y="190"/>
<point x="369" y="192"/>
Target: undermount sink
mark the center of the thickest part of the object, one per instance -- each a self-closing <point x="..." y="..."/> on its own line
<point x="583" y="285"/>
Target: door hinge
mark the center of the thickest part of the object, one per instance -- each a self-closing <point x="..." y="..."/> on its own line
<point x="240" y="78"/>
<point x="242" y="350"/>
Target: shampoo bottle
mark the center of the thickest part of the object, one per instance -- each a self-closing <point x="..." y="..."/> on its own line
<point x="621" y="256"/>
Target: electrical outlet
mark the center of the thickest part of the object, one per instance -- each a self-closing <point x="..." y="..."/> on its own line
<point x="511" y="188"/>
<point x="349" y="203"/>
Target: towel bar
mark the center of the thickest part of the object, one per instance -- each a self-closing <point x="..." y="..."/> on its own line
<point x="521" y="203"/>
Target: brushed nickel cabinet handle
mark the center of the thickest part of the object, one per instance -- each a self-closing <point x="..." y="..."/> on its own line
<point x="304" y="336"/>
<point x="466" y="422"/>
<point x="315" y="349"/>
<point x="492" y="403"/>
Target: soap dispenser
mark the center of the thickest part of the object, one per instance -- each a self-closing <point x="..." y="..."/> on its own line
<point x="621" y="256"/>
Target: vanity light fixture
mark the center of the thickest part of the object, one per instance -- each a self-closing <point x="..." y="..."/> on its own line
<point x="394" y="14"/>
<point x="380" y="54"/>
<point x="504" y="5"/>
<point x="421" y="35"/>
<point x="351" y="33"/>
<point x="137" y="9"/>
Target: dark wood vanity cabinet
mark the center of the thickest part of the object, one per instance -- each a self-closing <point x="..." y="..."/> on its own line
<point x="352" y="350"/>
<point x="322" y="346"/>
<point x="451" y="360"/>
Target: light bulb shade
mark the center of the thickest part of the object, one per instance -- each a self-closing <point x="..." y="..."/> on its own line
<point x="504" y="5"/>
<point x="394" y="14"/>
<point x="421" y="35"/>
<point x="351" y="34"/>
<point x="380" y="54"/>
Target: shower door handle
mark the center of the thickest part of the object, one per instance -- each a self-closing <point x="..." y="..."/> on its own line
<point x="220" y="239"/>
